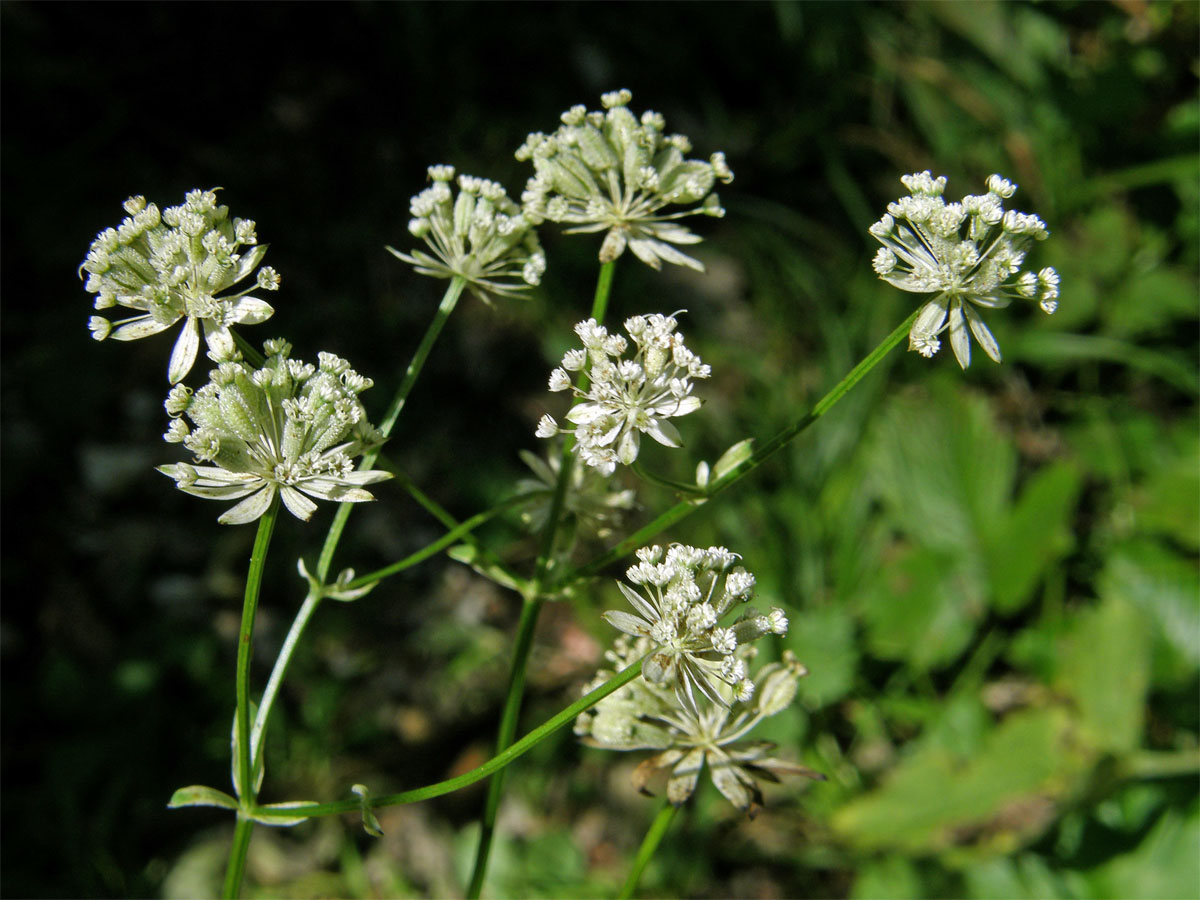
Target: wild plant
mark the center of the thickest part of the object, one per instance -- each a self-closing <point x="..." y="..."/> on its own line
<point x="266" y="430"/>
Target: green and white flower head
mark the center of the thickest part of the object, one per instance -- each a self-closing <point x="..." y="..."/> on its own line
<point x="480" y="235"/>
<point x="172" y="266"/>
<point x="590" y="499"/>
<point x="609" y="171"/>
<point x="969" y="254"/>
<point x="681" y="595"/>
<point x="623" y="399"/>
<point x="644" y="716"/>
<point x="287" y="428"/>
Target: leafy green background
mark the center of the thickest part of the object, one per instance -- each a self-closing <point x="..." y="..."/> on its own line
<point x="991" y="576"/>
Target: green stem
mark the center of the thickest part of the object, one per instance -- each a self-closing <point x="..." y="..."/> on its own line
<point x="508" y="729"/>
<point x="313" y="599"/>
<point x="244" y="761"/>
<point x="532" y="606"/>
<point x="493" y="765"/>
<point x="257" y="734"/>
<point x="436" y="510"/>
<point x="445" y="308"/>
<point x="603" y="289"/>
<point x="458" y="532"/>
<point x="237" y="859"/>
<point x="685" y="508"/>
<point x="650" y="842"/>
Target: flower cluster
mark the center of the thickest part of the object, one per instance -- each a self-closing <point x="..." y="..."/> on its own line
<point x="968" y="253"/>
<point x="682" y="594"/>
<point x="597" y="508"/>
<point x="642" y="715"/>
<point x="171" y="265"/>
<point x="608" y="171"/>
<point x="289" y="428"/>
<point x="625" y="398"/>
<point x="479" y="235"/>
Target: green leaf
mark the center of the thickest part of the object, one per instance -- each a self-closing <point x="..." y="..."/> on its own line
<point x="888" y="878"/>
<point x="469" y="555"/>
<point x="200" y="795"/>
<point x="1024" y="877"/>
<point x="284" y="821"/>
<point x="923" y="608"/>
<point x="824" y="640"/>
<point x="942" y="469"/>
<point x="1105" y="669"/>
<point x="370" y="823"/>
<point x="1169" y="502"/>
<point x="1003" y="797"/>
<point x="1162" y="866"/>
<point x="1165" y="588"/>
<point x="1037" y="533"/>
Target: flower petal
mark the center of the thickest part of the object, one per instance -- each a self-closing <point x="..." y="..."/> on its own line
<point x="737" y="787"/>
<point x="684" y="776"/>
<point x="183" y="356"/>
<point x="627" y="622"/>
<point x="248" y="262"/>
<point x="664" y="432"/>
<point x="960" y="338"/>
<point x="982" y="333"/>
<point x="298" y="505"/>
<point x="249" y="509"/>
<point x="638" y="602"/>
<point x="139" y="327"/>
<point x="250" y="311"/>
<point x="219" y="340"/>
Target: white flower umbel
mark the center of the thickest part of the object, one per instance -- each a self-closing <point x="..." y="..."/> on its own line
<point x="171" y="266"/>
<point x="681" y="597"/>
<point x="289" y="428"/>
<point x="968" y="254"/>
<point x="590" y="499"/>
<point x="480" y="235"/>
<point x="608" y="171"/>
<point x="625" y="398"/>
<point x="644" y="716"/>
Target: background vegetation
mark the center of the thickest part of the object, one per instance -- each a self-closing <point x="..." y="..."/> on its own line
<point x="991" y="576"/>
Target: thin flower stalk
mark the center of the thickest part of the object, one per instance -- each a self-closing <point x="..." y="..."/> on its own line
<point x="532" y="599"/>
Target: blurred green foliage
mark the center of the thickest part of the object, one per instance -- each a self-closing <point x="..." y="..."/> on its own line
<point x="991" y="575"/>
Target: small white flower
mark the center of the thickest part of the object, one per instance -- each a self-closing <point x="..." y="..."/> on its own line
<point x="626" y="398"/>
<point x="172" y="266"/>
<point x="968" y="254"/>
<point x="645" y="716"/>
<point x="684" y="593"/>
<point x="479" y="235"/>
<point x="287" y="428"/>
<point x="607" y="171"/>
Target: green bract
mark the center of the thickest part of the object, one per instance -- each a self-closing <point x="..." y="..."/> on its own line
<point x="646" y="716"/>
<point x="608" y="171"/>
<point x="171" y="266"/>
<point x="288" y="428"/>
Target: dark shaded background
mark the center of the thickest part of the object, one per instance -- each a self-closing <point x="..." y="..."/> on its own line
<point x="121" y="596"/>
